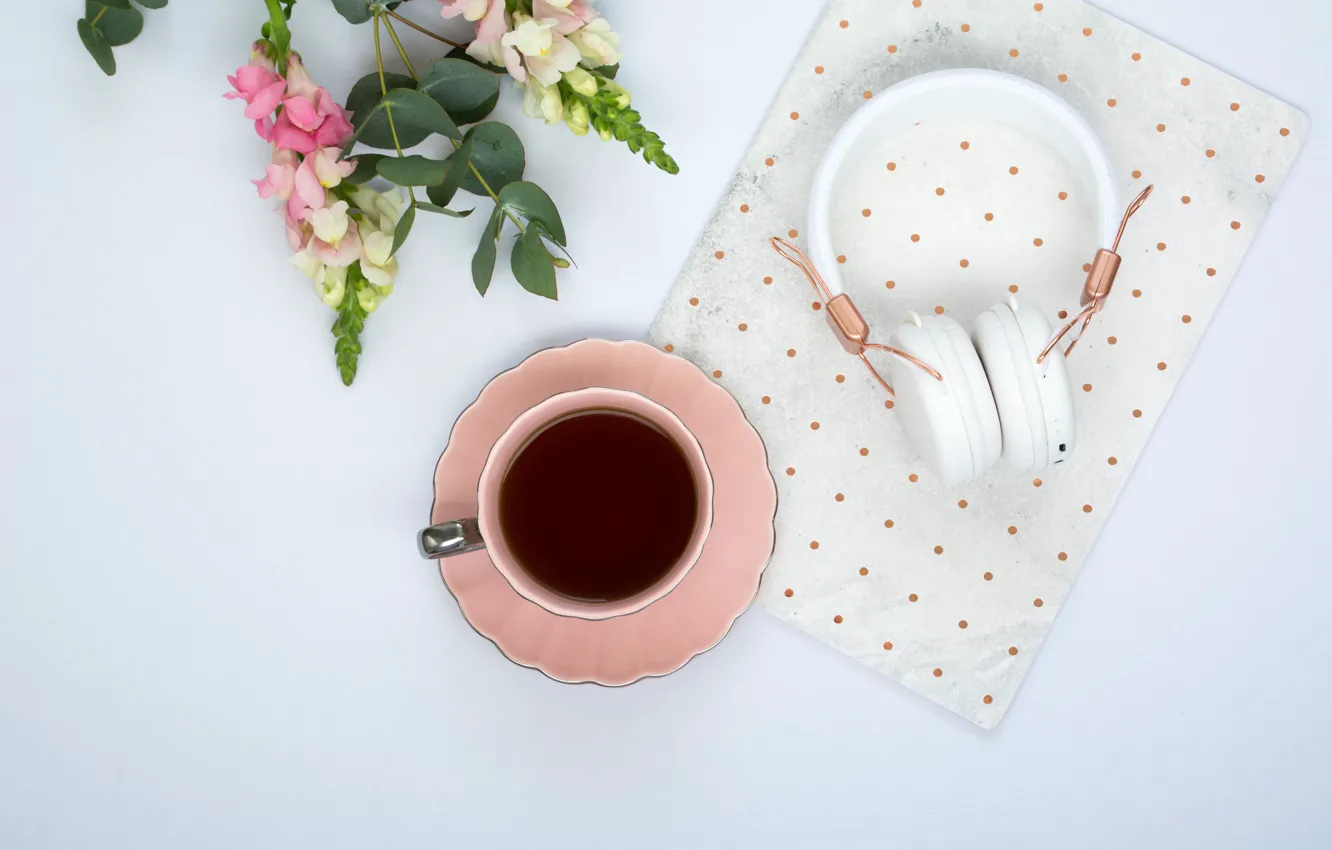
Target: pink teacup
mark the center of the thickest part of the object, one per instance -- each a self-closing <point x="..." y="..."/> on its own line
<point x="485" y="530"/>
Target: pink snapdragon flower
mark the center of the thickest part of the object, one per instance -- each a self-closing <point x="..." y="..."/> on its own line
<point x="335" y="241"/>
<point x="299" y="81"/>
<point x="492" y="22"/>
<point x="568" y="15"/>
<point x="545" y="54"/>
<point x="261" y="89"/>
<point x="310" y="117"/>
<point x="280" y="177"/>
<point x="298" y="230"/>
<point x="319" y="171"/>
<point x="310" y="122"/>
<point x="472" y="10"/>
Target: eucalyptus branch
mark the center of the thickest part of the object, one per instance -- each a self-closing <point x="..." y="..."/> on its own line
<point x="401" y="52"/>
<point x="412" y="71"/>
<point x="489" y="191"/>
<point x="422" y="29"/>
<point x="98" y="16"/>
<point x="379" y="66"/>
<point x="388" y="107"/>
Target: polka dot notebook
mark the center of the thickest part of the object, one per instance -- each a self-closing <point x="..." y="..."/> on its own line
<point x="950" y="591"/>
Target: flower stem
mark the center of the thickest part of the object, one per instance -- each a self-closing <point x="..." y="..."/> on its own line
<point x="421" y="29"/>
<point x="401" y="52"/>
<point x="98" y="16"/>
<point x="489" y="191"/>
<point x="388" y="108"/>
<point x="278" y="33"/>
<point x="379" y="65"/>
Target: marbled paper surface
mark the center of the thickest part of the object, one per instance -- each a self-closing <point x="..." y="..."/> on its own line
<point x="951" y="591"/>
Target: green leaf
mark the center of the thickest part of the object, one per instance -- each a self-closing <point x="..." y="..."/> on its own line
<point x="413" y="170"/>
<point x="120" y="24"/>
<point x="529" y="201"/>
<point x="365" y="168"/>
<point x="531" y="264"/>
<point x="494" y="151"/>
<point x="435" y="208"/>
<point x="404" y="227"/>
<point x="607" y="71"/>
<point x="467" y="91"/>
<point x="441" y="195"/>
<point x="363" y="99"/>
<point x="497" y="153"/>
<point x="152" y="4"/>
<point x="97" y="45"/>
<point x="457" y="161"/>
<point x="115" y="4"/>
<point x="483" y="261"/>
<point x="408" y="109"/>
<point x="355" y="11"/>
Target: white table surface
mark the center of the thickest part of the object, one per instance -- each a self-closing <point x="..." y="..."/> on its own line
<point x="215" y="631"/>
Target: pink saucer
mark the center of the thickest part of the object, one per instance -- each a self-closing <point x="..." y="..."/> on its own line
<point x="694" y="616"/>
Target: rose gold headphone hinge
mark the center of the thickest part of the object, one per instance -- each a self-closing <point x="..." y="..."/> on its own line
<point x="1100" y="280"/>
<point x="846" y="321"/>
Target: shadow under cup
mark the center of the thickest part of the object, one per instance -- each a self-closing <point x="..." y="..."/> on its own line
<point x="595" y="503"/>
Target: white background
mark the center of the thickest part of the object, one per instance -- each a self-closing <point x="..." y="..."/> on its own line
<point x="214" y="628"/>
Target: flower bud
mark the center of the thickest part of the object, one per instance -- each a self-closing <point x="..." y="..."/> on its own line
<point x="596" y="43"/>
<point x="331" y="285"/>
<point x="615" y="93"/>
<point x="542" y="101"/>
<point x="576" y="116"/>
<point x="581" y="81"/>
<point x="368" y="298"/>
<point x="262" y="55"/>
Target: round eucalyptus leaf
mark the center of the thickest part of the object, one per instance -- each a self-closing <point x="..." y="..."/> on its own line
<point x="355" y="11"/>
<point x="120" y="26"/>
<point x="483" y="261"/>
<point x="412" y="170"/>
<point x="364" y="96"/>
<point x="532" y="203"/>
<point x="531" y="264"/>
<point x="366" y="168"/>
<point x="467" y="91"/>
<point x="97" y="45"/>
<point x="410" y="109"/>
<point x="497" y="153"/>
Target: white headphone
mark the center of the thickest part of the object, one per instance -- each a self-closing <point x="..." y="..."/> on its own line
<point x="965" y="400"/>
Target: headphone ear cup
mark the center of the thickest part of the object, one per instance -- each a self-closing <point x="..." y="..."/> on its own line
<point x="1058" y="425"/>
<point x="928" y="408"/>
<point x="1000" y="343"/>
<point x="972" y="391"/>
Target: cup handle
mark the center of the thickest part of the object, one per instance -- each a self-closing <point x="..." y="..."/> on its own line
<point x="455" y="537"/>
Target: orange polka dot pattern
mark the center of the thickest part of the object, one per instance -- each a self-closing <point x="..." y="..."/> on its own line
<point x="874" y="555"/>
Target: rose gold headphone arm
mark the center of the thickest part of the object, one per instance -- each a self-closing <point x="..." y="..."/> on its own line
<point x="1100" y="280"/>
<point x="843" y="317"/>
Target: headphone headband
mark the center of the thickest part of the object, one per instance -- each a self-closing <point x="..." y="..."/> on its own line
<point x="975" y="93"/>
<point x="956" y="93"/>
